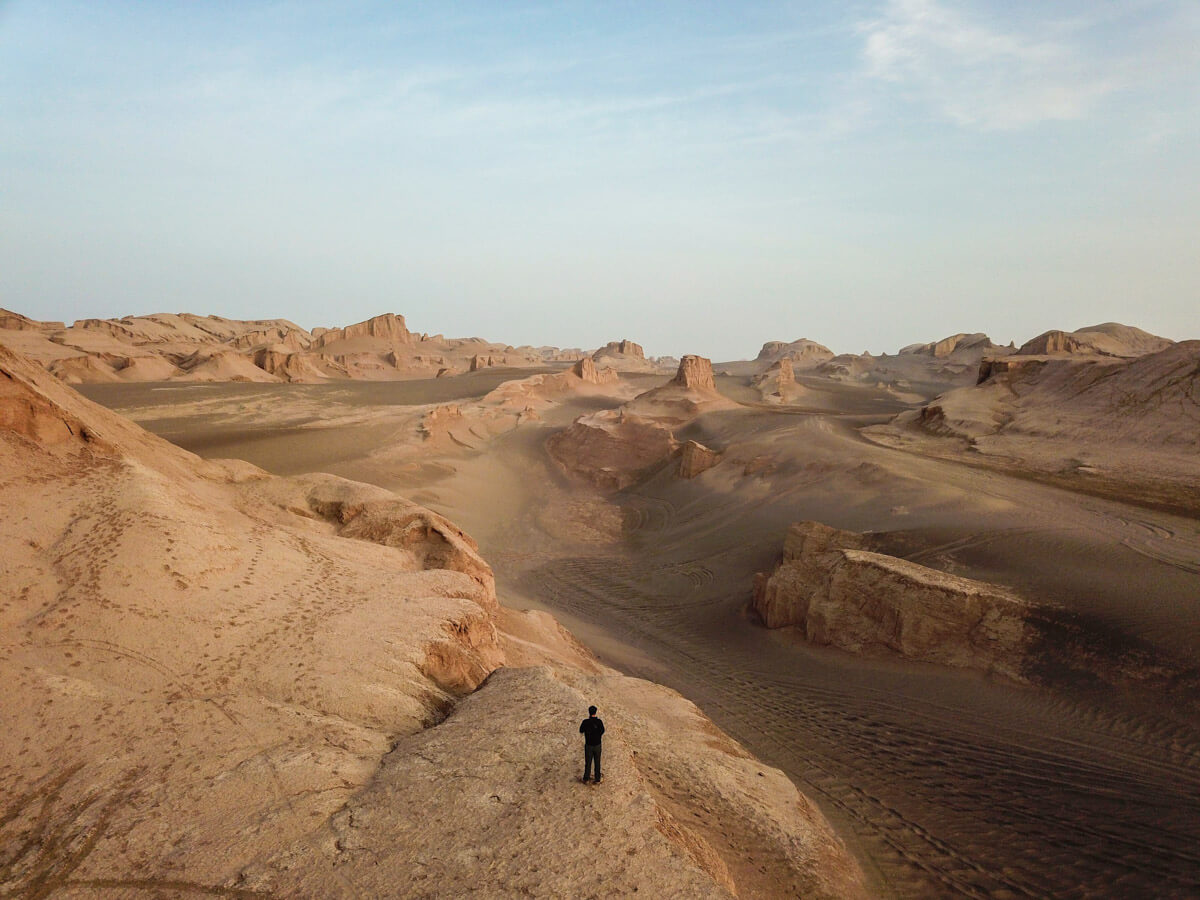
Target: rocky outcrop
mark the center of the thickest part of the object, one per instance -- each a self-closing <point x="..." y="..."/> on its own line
<point x="949" y="345"/>
<point x="373" y="514"/>
<point x="803" y="352"/>
<point x="586" y="370"/>
<point x="389" y="327"/>
<point x="778" y="380"/>
<point x="612" y="449"/>
<point x="623" y="348"/>
<point x="695" y="458"/>
<point x="289" y="338"/>
<point x="1054" y="342"/>
<point x="1107" y="339"/>
<point x="837" y="592"/>
<point x="378" y="349"/>
<point x="683" y="812"/>
<point x="27" y="412"/>
<point x="290" y="365"/>
<point x="989" y="366"/>
<point x="13" y="321"/>
<point x="695" y="373"/>
<point x="213" y="364"/>
<point x="83" y="370"/>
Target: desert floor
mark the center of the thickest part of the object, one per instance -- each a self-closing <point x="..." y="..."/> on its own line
<point x="943" y="783"/>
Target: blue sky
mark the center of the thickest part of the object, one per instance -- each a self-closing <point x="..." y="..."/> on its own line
<point x="699" y="177"/>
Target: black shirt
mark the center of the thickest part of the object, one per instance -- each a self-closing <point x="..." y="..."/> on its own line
<point x="591" y="729"/>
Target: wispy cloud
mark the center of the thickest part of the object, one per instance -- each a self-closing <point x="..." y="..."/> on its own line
<point x="980" y="75"/>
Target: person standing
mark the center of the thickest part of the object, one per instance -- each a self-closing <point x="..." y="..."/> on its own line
<point x="591" y="728"/>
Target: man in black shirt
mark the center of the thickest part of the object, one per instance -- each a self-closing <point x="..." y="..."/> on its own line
<point x="591" y="728"/>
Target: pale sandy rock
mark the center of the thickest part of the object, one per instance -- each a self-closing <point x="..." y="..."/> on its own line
<point x="14" y="321"/>
<point x="838" y="594"/>
<point x="288" y="364"/>
<point x="802" y="352"/>
<point x="1043" y="411"/>
<point x="218" y="677"/>
<point x="292" y="339"/>
<point x="695" y="458"/>
<point x="847" y="366"/>
<point x="587" y="370"/>
<point x="214" y="364"/>
<point x="237" y="668"/>
<point x="1108" y="339"/>
<point x="378" y="349"/>
<point x="388" y="327"/>
<point x="777" y="383"/>
<point x="624" y="356"/>
<point x="612" y="449"/>
<point x="84" y="370"/>
<point x="947" y="346"/>
<point x="488" y="803"/>
<point x="625" y="348"/>
<point x="144" y="368"/>
<point x="695" y="373"/>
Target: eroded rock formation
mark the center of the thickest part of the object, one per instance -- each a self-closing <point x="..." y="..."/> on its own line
<point x="803" y="352"/>
<point x="837" y="592"/>
<point x="695" y="458"/>
<point x="586" y="370"/>
<point x="612" y="449"/>
<point x="624" y="348"/>
<point x="695" y="373"/>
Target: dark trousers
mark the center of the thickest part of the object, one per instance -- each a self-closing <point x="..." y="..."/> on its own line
<point x="591" y="753"/>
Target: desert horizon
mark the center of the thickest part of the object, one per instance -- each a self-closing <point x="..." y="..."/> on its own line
<point x="936" y="611"/>
<point x="812" y="390"/>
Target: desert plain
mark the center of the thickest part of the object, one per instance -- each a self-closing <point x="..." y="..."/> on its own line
<point x="316" y="613"/>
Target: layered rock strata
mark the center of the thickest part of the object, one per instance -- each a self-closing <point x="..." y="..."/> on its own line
<point x="837" y="592"/>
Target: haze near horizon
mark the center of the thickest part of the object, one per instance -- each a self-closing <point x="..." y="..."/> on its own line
<point x="697" y="178"/>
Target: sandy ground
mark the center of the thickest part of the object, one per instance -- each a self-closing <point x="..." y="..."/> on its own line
<point x="943" y="783"/>
<point x="228" y="683"/>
